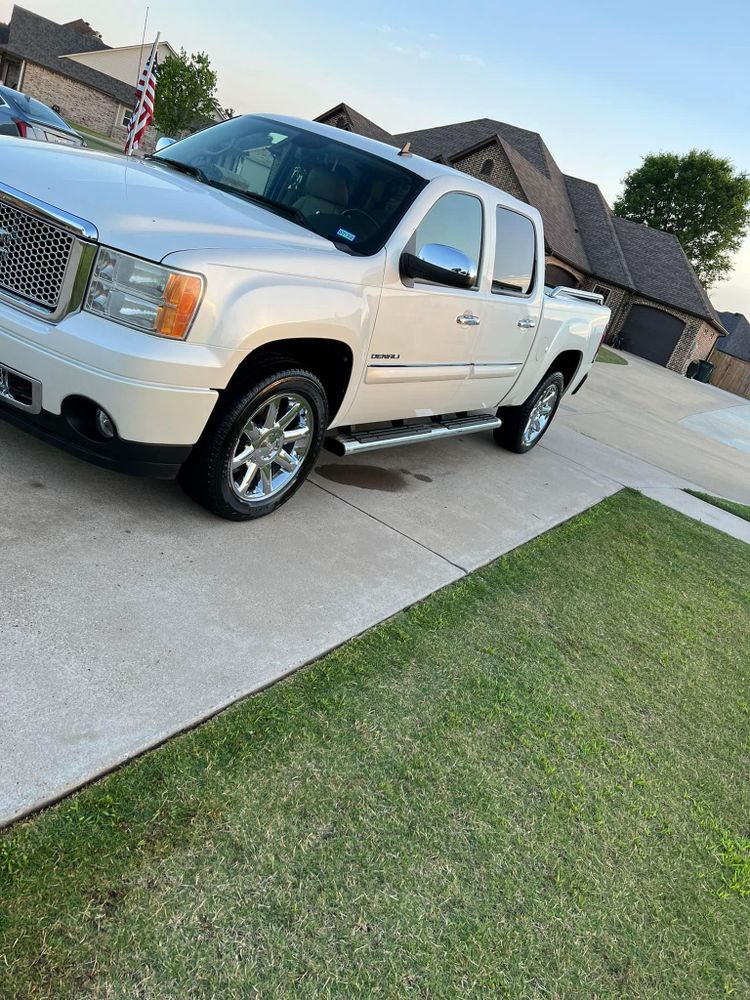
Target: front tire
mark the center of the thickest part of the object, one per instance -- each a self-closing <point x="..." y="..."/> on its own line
<point x="259" y="447"/>
<point x="524" y="426"/>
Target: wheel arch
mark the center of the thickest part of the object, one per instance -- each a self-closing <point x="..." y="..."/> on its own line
<point x="331" y="360"/>
<point x="567" y="363"/>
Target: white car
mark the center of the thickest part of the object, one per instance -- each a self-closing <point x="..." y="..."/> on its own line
<point x="230" y="305"/>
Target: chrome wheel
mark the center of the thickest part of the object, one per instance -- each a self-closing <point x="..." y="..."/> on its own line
<point x="540" y="415"/>
<point x="271" y="448"/>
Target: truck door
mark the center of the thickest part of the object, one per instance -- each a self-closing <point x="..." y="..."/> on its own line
<point x="425" y="333"/>
<point x="511" y="311"/>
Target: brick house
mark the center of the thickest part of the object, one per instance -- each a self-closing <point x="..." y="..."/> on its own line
<point x="659" y="308"/>
<point x="731" y="355"/>
<point x="69" y="67"/>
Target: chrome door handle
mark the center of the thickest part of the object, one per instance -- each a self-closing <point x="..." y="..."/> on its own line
<point x="467" y="319"/>
<point x="526" y="324"/>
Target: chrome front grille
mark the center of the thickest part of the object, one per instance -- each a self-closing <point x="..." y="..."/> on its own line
<point x="46" y="255"/>
<point x="34" y="257"/>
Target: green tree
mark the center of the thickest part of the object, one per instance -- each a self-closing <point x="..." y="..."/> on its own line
<point x="185" y="93"/>
<point x="699" y="199"/>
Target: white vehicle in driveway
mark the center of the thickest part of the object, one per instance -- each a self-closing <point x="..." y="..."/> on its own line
<point x="230" y="305"/>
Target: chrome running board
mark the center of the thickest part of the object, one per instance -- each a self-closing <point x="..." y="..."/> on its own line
<point x="348" y="441"/>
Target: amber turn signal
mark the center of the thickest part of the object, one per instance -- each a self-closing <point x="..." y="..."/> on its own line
<point x="181" y="299"/>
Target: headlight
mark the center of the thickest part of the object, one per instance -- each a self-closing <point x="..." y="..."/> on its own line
<point x="146" y="296"/>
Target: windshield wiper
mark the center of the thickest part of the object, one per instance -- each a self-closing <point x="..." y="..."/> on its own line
<point x="288" y="211"/>
<point x="184" y="168"/>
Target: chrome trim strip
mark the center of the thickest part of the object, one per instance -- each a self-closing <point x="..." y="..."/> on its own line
<point x="49" y="213"/>
<point x="417" y="373"/>
<point x="451" y="364"/>
<point x="35" y="406"/>
<point x="497" y="364"/>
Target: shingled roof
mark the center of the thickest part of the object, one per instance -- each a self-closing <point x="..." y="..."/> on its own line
<point x="359" y="124"/>
<point x="738" y="342"/>
<point x="597" y="229"/>
<point x="46" y="43"/>
<point x="579" y="225"/>
<point x="661" y="270"/>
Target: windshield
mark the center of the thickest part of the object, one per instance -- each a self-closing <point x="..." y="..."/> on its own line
<point x="349" y="196"/>
<point x="32" y="108"/>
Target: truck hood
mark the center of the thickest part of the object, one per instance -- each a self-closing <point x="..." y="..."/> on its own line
<point x="144" y="208"/>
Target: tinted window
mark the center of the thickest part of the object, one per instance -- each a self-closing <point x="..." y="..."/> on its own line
<point x="514" y="253"/>
<point x="347" y="195"/>
<point x="455" y="221"/>
<point x="31" y="108"/>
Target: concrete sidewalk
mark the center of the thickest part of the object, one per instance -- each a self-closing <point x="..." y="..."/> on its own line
<point x="129" y="614"/>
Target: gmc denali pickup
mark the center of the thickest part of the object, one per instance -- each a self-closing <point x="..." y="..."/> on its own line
<point x="226" y="307"/>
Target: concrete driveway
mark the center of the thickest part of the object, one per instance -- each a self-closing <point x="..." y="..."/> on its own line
<point x="129" y="614"/>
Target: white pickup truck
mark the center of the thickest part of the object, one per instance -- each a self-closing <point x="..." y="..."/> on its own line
<point x="225" y="308"/>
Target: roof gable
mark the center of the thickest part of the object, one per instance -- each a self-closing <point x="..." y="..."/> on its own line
<point x="738" y="342"/>
<point x="538" y="174"/>
<point x="356" y="123"/>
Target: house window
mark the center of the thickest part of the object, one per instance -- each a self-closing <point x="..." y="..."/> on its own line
<point x="515" y="250"/>
<point x="125" y="114"/>
<point x="601" y="290"/>
<point x="486" y="168"/>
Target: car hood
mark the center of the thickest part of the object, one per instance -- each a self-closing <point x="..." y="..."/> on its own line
<point x="145" y="208"/>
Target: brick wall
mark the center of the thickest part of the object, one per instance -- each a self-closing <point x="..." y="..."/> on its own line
<point x="492" y="166"/>
<point x="81" y="104"/>
<point x="76" y="101"/>
<point x="695" y="344"/>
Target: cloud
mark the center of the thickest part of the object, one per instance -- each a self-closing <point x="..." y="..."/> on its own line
<point x="468" y="57"/>
<point x="412" y="51"/>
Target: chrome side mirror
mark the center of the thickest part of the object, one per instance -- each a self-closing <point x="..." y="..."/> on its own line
<point x="441" y="264"/>
<point x="162" y="142"/>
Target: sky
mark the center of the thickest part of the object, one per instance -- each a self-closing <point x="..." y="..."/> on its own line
<point x="604" y="83"/>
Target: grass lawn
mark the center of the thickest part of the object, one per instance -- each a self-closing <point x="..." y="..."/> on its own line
<point x="532" y="785"/>
<point x="95" y="140"/>
<point x="739" y="509"/>
<point x="609" y="357"/>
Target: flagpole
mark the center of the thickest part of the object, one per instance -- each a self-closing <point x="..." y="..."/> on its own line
<point x="129" y="150"/>
<point x="139" y="108"/>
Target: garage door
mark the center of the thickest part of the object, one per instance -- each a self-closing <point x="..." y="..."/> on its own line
<point x="651" y="333"/>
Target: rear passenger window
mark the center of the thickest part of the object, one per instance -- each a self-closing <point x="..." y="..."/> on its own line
<point x="455" y="220"/>
<point x="514" y="253"/>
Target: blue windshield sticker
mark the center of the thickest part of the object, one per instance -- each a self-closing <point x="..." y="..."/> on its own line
<point x="346" y="235"/>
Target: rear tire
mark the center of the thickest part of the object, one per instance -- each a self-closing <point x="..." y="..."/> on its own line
<point x="259" y="446"/>
<point x="525" y="426"/>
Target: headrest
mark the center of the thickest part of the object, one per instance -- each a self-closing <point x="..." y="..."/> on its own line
<point x="327" y="186"/>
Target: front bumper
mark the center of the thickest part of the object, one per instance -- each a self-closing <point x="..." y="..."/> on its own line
<point x="157" y="424"/>
<point x="156" y="461"/>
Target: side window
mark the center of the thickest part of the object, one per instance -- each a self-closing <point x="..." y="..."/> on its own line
<point x="514" y="253"/>
<point x="455" y="221"/>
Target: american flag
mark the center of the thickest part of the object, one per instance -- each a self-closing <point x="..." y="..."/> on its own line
<point x="145" y="94"/>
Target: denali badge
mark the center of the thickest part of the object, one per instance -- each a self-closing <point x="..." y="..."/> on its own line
<point x="385" y="357"/>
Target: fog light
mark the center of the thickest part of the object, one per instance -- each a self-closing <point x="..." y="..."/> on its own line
<point x="104" y="424"/>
